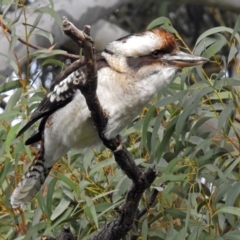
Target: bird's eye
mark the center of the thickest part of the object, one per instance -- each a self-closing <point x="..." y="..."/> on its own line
<point x="156" y="53"/>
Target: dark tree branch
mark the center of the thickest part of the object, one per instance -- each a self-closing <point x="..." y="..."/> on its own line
<point x="150" y="204"/>
<point x="141" y="180"/>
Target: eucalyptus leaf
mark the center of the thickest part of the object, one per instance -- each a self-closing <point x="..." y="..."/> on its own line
<point x="10" y="86"/>
<point x="52" y="13"/>
<point x="61" y="207"/>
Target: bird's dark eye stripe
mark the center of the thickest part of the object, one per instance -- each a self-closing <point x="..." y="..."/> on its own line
<point x="156" y="53"/>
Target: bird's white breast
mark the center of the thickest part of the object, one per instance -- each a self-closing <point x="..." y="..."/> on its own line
<point x="120" y="94"/>
<point x="72" y="125"/>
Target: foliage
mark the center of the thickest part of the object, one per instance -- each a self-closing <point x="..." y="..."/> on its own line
<point x="189" y="132"/>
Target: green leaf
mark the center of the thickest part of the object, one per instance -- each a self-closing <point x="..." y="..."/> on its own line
<point x="104" y="194"/>
<point x="166" y="137"/>
<point x="156" y="127"/>
<point x="10" y="86"/>
<point x="61" y="207"/>
<point x="147" y="120"/>
<point x="217" y="170"/>
<point x="49" y="197"/>
<point x="172" y="99"/>
<point x="37" y="216"/>
<point x="41" y="202"/>
<point x="232" y="196"/>
<point x="10" y="61"/>
<point x="199" y="94"/>
<point x="232" y="235"/>
<point x="226" y="82"/>
<point x="236" y="28"/>
<point x="16" y="19"/>
<point x="198" y="124"/>
<point x="45" y="34"/>
<point x="230" y="210"/>
<point x="11" y="104"/>
<point x="101" y="165"/>
<point x="65" y="180"/>
<point x="158" y="22"/>
<point x="92" y="210"/>
<point x="172" y="178"/>
<point x="203" y="45"/>
<point x="11" y="135"/>
<point x="4" y="170"/>
<point x="52" y="13"/>
<point x="8" y="115"/>
<point x="63" y="218"/>
<point x="87" y="160"/>
<point x="232" y="166"/>
<point x="225" y="115"/>
<point x="214" y="48"/>
<point x="51" y="3"/>
<point x="54" y="62"/>
<point x="171" y="232"/>
<point x="169" y="28"/>
<point x="202" y="204"/>
<point x="195" y="234"/>
<point x="232" y="53"/>
<point x="216" y="30"/>
<point x="210" y="155"/>
<point x="35" y="23"/>
<point x="145" y="229"/>
<point x="34" y="229"/>
<point x="221" y="191"/>
<point x="110" y="208"/>
<point x="183" y="119"/>
<point x="5" y="2"/>
<point x="12" y="44"/>
<point x="8" y="4"/>
<point x="47" y="53"/>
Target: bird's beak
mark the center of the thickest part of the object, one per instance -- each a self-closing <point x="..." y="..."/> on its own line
<point x="181" y="59"/>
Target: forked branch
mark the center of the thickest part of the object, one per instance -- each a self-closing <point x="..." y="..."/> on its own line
<point x="141" y="180"/>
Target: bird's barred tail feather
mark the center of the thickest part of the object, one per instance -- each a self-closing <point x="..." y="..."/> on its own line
<point x="31" y="182"/>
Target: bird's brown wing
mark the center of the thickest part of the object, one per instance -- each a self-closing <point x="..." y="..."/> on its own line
<point x="59" y="97"/>
<point x="61" y="93"/>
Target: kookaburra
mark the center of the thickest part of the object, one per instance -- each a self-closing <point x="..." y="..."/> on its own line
<point x="130" y="71"/>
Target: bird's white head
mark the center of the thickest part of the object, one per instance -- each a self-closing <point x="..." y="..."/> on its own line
<point x="148" y="52"/>
<point x="150" y="58"/>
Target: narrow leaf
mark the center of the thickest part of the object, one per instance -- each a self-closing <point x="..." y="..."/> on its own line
<point x="35" y="23"/>
<point x="52" y="13"/>
<point x="32" y="230"/>
<point x="232" y="53"/>
<point x="230" y="210"/>
<point x="61" y="207"/>
<point x="92" y="210"/>
<point x="236" y="28"/>
<point x="216" y="30"/>
<point x="10" y="86"/>
<point x="147" y="120"/>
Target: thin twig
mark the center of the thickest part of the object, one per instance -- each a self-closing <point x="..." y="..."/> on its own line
<point x="7" y="29"/>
